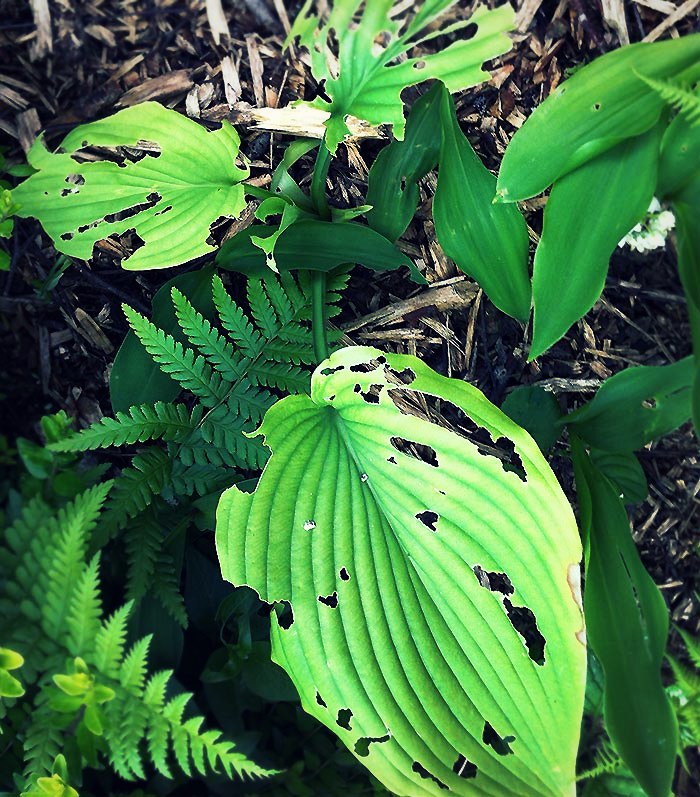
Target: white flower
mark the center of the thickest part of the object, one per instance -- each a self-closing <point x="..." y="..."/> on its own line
<point x="651" y="233"/>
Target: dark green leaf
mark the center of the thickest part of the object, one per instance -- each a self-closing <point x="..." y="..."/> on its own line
<point x="317" y="246"/>
<point x="536" y="410"/>
<point x="624" y="471"/>
<point x="636" y="406"/>
<point x="627" y="624"/>
<point x="679" y="166"/>
<point x="488" y="242"/>
<point x="588" y="212"/>
<point x="135" y="377"/>
<point x="392" y="187"/>
<point x="601" y="105"/>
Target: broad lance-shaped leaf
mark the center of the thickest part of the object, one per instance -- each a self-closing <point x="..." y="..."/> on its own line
<point x="368" y="77"/>
<point x="145" y="169"/>
<point x="588" y="211"/>
<point x="488" y="242"/>
<point x="628" y="627"/>
<point x="599" y="106"/>
<point x="392" y="184"/>
<point x="433" y="619"/>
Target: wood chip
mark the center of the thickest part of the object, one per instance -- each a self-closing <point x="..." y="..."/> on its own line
<point x="614" y="15"/>
<point x="673" y="18"/>
<point x="28" y="127"/>
<point x="662" y="6"/>
<point x="256" y="69"/>
<point x="159" y="88"/>
<point x="43" y="43"/>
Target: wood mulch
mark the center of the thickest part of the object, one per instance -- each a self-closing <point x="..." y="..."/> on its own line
<point x="63" y="63"/>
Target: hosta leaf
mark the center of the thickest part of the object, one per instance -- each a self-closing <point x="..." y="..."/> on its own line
<point x="536" y="410"/>
<point x="679" y="167"/>
<point x="589" y="210"/>
<point x="369" y="77"/>
<point x="627" y="624"/>
<point x="488" y="242"/>
<point x="145" y="169"/>
<point x="431" y="586"/>
<point x="392" y="184"/>
<point x="636" y="406"/>
<point x="622" y="469"/>
<point x="599" y="106"/>
<point x="314" y="245"/>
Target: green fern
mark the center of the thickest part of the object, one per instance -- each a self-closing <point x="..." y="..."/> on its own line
<point x="679" y="96"/>
<point x="685" y="693"/>
<point x="108" y="703"/>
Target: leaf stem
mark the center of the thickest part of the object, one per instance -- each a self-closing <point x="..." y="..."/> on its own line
<point x="257" y="191"/>
<point x="319" y="279"/>
<point x="318" y="315"/>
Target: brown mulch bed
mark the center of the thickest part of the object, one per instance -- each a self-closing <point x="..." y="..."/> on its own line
<point x="57" y="341"/>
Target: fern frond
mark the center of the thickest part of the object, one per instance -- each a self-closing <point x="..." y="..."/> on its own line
<point x="289" y="378"/>
<point x="190" y="370"/>
<point x="165" y="588"/>
<point x="75" y="522"/>
<point x="43" y="741"/>
<point x="235" y="322"/>
<point x="224" y="431"/>
<point x="138" y="485"/>
<point x="85" y="610"/>
<point x="110" y="641"/>
<point x="169" y="422"/>
<point x="217" y="351"/>
<point x="200" y="479"/>
<point x="127" y="720"/>
<point x="605" y="761"/>
<point x="262" y="309"/>
<point x="133" y="670"/>
<point x="692" y="645"/>
<point x="678" y="96"/>
<point x="248" y="402"/>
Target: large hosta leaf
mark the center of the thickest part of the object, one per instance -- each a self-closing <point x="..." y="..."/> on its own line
<point x="368" y="77"/>
<point x="145" y="169"/>
<point x="430" y="579"/>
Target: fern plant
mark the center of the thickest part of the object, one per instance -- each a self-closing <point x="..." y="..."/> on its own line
<point x="87" y="694"/>
<point x="230" y="372"/>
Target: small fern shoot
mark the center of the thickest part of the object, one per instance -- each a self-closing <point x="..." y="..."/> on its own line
<point x="103" y="702"/>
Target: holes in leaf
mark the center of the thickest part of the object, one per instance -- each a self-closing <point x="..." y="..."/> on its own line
<point x="285" y="615"/>
<point x="429" y="519"/>
<point x="649" y="404"/>
<point x="371" y="396"/>
<point x="496" y="582"/>
<point x="217" y="230"/>
<point x="419" y="65"/>
<point x="329" y="371"/>
<point x="329" y="600"/>
<point x="423" y="772"/>
<point x="121" y="156"/>
<point x="309" y="525"/>
<point x="344" y="575"/>
<point x="343" y="719"/>
<point x="74" y="181"/>
<point x="419" y="451"/>
<point x="165" y="210"/>
<point x="524" y="622"/>
<point x="367" y="368"/>
<point x="501" y="745"/>
<point x="464" y="768"/>
<point x="120" y="245"/>
<point x="321" y="702"/>
<point x="596" y="106"/>
<point x="363" y="743"/>
<point x="392" y="460"/>
<point x="403" y="377"/>
<point x="151" y="201"/>
<point x="445" y="414"/>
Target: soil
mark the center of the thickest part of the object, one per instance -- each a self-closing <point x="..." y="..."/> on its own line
<point x="59" y="331"/>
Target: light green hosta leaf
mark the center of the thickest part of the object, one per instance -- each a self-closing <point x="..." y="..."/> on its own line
<point x="589" y="210"/>
<point x="367" y="81"/>
<point x="412" y="559"/>
<point x="602" y="104"/>
<point x="174" y="179"/>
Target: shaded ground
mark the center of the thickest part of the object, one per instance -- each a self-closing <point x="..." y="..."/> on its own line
<point x="58" y="338"/>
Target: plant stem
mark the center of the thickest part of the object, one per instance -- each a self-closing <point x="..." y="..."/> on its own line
<point x="257" y="191"/>
<point x="319" y="278"/>
<point x="318" y="182"/>
<point x="318" y="315"/>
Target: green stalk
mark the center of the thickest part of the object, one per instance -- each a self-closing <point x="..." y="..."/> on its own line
<point x="319" y="279"/>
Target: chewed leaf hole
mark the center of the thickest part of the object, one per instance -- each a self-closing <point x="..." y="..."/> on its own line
<point x="321" y="702"/>
<point x="524" y="622"/>
<point x="343" y="719"/>
<point x="367" y="368"/>
<point x="419" y="451"/>
<point x="496" y="582"/>
<point x="363" y="743"/>
<point x="329" y="600"/>
<point x="428" y="518"/>
<point x="309" y="525"/>
<point x="151" y="201"/>
<point x="371" y="396"/>
<point x="403" y="377"/>
<point x="344" y="575"/>
<point x="392" y="460"/>
<point x="331" y="371"/>
<point x="423" y="772"/>
<point x="285" y="615"/>
<point x="500" y="744"/>
<point x="464" y="768"/>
